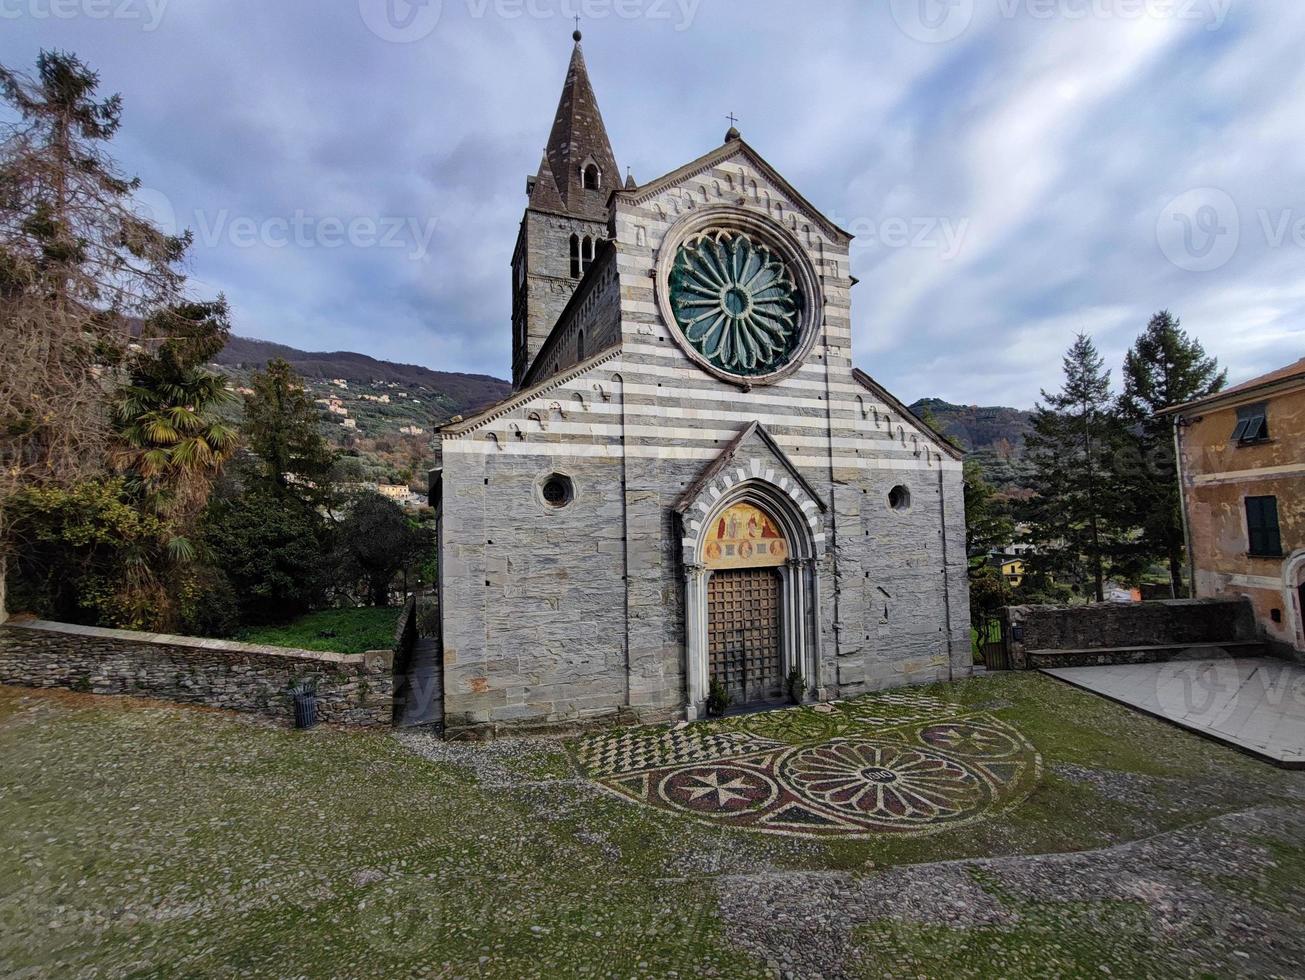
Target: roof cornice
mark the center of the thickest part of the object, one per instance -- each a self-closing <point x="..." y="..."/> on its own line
<point x="940" y="441"/>
<point x="455" y="430"/>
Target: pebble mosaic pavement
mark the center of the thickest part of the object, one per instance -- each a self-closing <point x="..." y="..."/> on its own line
<point x="897" y="763"/>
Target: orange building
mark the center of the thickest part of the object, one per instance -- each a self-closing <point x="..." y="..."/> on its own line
<point x="1242" y="468"/>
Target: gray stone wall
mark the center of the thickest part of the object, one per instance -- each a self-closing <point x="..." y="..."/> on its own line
<point x="902" y="583"/>
<point x="590" y="323"/>
<point x="351" y="689"/>
<point x="1066" y="635"/>
<point x="546" y="253"/>
<point x="535" y="629"/>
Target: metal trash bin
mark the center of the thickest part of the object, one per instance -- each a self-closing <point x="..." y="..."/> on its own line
<point x="305" y="698"/>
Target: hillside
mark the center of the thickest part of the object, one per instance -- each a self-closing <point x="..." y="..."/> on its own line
<point x="992" y="435"/>
<point x="380" y="415"/>
<point x="461" y="394"/>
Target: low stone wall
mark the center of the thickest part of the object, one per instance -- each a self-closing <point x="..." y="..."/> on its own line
<point x="1070" y="636"/>
<point x="352" y="689"/>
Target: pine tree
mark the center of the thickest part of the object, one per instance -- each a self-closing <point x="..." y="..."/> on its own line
<point x="283" y="432"/>
<point x="78" y="265"/>
<point x="1165" y="367"/>
<point x="1075" y="516"/>
<point x="987" y="519"/>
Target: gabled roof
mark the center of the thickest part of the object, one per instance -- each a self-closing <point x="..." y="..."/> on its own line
<point x="521" y="398"/>
<point x="728" y="455"/>
<point x="733" y="148"/>
<point x="579" y="135"/>
<point x="545" y="196"/>
<point x="940" y="440"/>
<point x="1283" y="377"/>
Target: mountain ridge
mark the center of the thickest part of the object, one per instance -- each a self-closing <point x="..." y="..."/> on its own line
<point x="462" y="393"/>
<point x="993" y="435"/>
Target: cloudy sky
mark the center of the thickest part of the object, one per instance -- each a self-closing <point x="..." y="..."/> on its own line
<point x="1016" y="171"/>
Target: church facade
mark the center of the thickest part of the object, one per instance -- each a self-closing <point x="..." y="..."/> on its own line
<point x="692" y="489"/>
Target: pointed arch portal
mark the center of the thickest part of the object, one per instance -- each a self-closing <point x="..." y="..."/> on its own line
<point x="751" y="589"/>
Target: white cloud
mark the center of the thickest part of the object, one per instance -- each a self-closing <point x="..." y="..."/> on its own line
<point x="1054" y="143"/>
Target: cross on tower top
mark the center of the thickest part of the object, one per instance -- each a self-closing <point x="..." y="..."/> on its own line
<point x="577" y="35"/>
<point x="733" y="119"/>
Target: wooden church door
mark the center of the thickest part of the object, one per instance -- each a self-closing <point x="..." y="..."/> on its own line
<point x="744" y="634"/>
<point x="744" y="629"/>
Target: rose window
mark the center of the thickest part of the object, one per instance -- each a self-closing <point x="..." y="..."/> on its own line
<point x="736" y="303"/>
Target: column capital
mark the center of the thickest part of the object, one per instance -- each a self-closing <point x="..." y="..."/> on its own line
<point x="694" y="572"/>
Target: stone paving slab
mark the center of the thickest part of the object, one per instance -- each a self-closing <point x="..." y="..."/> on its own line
<point x="1254" y="704"/>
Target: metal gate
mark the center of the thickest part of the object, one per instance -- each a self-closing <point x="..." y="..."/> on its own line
<point x="743" y="634"/>
<point x="992" y="644"/>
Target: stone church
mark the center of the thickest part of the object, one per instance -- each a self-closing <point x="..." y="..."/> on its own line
<point x="691" y="485"/>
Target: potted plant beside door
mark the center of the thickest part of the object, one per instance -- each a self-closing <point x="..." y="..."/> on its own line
<point x="797" y="686"/>
<point x="718" y="699"/>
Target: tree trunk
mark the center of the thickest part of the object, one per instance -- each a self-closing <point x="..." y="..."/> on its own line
<point x="1097" y="569"/>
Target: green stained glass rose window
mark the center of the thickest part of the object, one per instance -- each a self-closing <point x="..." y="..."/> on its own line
<point x="736" y="303"/>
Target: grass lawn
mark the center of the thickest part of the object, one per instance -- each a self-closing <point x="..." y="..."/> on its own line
<point x="146" y="839"/>
<point x="332" y="631"/>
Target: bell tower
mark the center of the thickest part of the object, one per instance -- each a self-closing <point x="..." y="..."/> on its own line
<point x="566" y="215"/>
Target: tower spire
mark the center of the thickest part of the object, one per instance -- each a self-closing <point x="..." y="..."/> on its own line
<point x="579" y="151"/>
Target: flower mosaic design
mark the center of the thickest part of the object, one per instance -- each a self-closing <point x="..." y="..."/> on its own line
<point x="846" y="769"/>
<point x="886" y="781"/>
<point x="736" y="303"/>
<point x="970" y="740"/>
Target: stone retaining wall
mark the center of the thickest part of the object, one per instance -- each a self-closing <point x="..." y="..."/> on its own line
<point x="352" y="689"/>
<point x="1125" y="632"/>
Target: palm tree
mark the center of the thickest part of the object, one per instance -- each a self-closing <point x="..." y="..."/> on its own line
<point x="172" y="439"/>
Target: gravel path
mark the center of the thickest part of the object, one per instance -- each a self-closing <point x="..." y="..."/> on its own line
<point x="1207" y="893"/>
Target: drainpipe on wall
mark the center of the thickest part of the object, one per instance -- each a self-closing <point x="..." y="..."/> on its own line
<point x="833" y="495"/>
<point x="1179" y="422"/>
<point x="947" y="585"/>
<point x="618" y="382"/>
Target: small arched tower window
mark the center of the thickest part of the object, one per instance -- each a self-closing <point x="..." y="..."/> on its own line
<point x="593" y="179"/>
<point x="587" y="254"/>
<point x="580" y="345"/>
<point x="575" y="257"/>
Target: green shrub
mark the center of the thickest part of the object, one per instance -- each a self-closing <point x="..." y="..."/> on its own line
<point x="796" y="686"/>
<point x="270" y="547"/>
<point x="718" y="699"/>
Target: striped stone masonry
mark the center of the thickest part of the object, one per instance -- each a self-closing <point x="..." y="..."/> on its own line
<point x="594" y="610"/>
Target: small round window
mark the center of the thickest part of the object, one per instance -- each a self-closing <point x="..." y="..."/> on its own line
<point x="558" y="491"/>
<point x="899" y="498"/>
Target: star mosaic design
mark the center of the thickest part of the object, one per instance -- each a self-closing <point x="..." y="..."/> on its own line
<point x="897" y="763"/>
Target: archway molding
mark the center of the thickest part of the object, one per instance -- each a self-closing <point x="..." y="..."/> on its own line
<point x="797" y="516"/>
<point x="1293" y="576"/>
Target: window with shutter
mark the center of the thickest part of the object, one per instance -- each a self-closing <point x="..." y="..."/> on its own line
<point x="1264" y="536"/>
<point x="1252" y="424"/>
